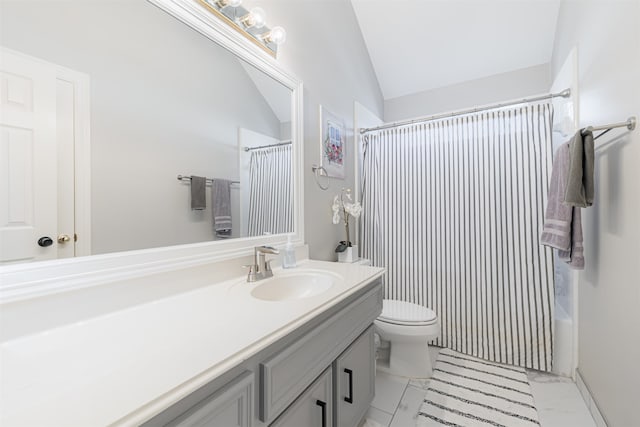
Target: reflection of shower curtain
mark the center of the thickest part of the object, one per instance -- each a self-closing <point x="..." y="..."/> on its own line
<point x="453" y="209"/>
<point x="270" y="191"/>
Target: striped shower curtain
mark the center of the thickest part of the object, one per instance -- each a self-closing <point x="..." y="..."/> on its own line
<point x="270" y="191"/>
<point x="453" y="209"/>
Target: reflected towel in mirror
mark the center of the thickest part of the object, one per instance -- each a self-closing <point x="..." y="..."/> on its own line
<point x="198" y="194"/>
<point x="221" y="207"/>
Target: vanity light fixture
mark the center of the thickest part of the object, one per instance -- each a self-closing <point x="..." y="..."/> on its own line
<point x="250" y="23"/>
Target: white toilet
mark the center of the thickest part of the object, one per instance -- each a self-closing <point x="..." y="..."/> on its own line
<point x="408" y="328"/>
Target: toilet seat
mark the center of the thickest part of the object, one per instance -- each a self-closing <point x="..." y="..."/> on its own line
<point x="400" y="323"/>
<point x="406" y="313"/>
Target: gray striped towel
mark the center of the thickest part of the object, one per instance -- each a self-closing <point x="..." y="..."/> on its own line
<point x="221" y="208"/>
<point x="562" y="223"/>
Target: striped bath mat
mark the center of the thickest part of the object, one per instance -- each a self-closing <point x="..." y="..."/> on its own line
<point x="467" y="391"/>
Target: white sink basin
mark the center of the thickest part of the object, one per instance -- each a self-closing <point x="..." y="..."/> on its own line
<point x="293" y="286"/>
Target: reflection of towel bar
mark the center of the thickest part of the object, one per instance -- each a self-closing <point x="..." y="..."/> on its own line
<point x="209" y="180"/>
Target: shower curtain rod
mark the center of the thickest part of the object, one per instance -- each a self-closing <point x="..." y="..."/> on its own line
<point x="564" y="94"/>
<point x="267" y="146"/>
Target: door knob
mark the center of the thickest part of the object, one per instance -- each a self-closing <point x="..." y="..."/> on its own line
<point x="63" y="238"/>
<point x="45" y="241"/>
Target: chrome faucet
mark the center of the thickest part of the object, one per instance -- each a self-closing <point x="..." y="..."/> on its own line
<point x="261" y="268"/>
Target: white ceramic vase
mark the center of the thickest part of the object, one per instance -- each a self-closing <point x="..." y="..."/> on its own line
<point x="349" y="255"/>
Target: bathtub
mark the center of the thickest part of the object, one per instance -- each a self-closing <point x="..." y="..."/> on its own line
<point x="563" y="343"/>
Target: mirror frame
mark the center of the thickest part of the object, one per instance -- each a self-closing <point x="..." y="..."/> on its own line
<point x="29" y="280"/>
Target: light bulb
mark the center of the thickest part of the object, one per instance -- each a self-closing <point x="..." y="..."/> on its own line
<point x="277" y="35"/>
<point x="256" y="18"/>
<point x="259" y="17"/>
<point x="224" y="3"/>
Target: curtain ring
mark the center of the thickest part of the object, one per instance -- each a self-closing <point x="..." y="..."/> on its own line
<point x="320" y="171"/>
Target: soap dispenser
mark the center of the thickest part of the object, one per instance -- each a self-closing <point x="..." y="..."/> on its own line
<point x="289" y="260"/>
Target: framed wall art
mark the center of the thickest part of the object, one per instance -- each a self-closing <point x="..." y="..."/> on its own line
<point x="333" y="143"/>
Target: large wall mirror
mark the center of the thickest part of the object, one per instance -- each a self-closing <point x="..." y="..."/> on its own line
<point x="114" y="110"/>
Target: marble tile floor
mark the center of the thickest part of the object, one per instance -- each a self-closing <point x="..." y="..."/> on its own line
<point x="398" y="399"/>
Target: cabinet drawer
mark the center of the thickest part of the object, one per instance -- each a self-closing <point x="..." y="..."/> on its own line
<point x="287" y="374"/>
<point x="313" y="408"/>
<point x="231" y="406"/>
<point x="354" y="377"/>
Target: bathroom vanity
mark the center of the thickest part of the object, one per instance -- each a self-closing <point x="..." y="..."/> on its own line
<point x="226" y="353"/>
<point x="320" y="374"/>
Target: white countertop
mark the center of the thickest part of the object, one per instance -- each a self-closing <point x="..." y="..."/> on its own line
<point x="126" y="366"/>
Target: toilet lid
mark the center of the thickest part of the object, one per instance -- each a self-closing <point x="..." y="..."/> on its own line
<point x="402" y="312"/>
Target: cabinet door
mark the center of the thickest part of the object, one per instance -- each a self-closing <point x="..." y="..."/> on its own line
<point x="289" y="372"/>
<point x="314" y="407"/>
<point x="231" y="406"/>
<point x="355" y="380"/>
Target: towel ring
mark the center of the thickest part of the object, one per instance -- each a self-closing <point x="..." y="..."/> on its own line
<point x="320" y="171"/>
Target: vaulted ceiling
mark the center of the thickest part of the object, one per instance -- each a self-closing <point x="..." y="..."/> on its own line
<point x="417" y="45"/>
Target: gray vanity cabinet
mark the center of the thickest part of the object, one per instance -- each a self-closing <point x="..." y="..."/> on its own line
<point x="314" y="408"/>
<point x="291" y="370"/>
<point x="354" y="373"/>
<point x="231" y="406"/>
<point x="320" y="375"/>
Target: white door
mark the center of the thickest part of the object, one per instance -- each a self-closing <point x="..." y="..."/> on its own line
<point x="65" y="138"/>
<point x="36" y="144"/>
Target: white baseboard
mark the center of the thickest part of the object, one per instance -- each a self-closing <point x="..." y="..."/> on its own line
<point x="589" y="401"/>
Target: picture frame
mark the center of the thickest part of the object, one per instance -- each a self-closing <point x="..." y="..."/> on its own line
<point x="333" y="144"/>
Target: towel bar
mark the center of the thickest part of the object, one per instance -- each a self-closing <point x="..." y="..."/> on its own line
<point x="209" y="180"/>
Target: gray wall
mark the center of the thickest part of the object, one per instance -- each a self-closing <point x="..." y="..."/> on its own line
<point x="325" y="49"/>
<point x="607" y="35"/>
<point x="500" y="87"/>
<point x="164" y="101"/>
